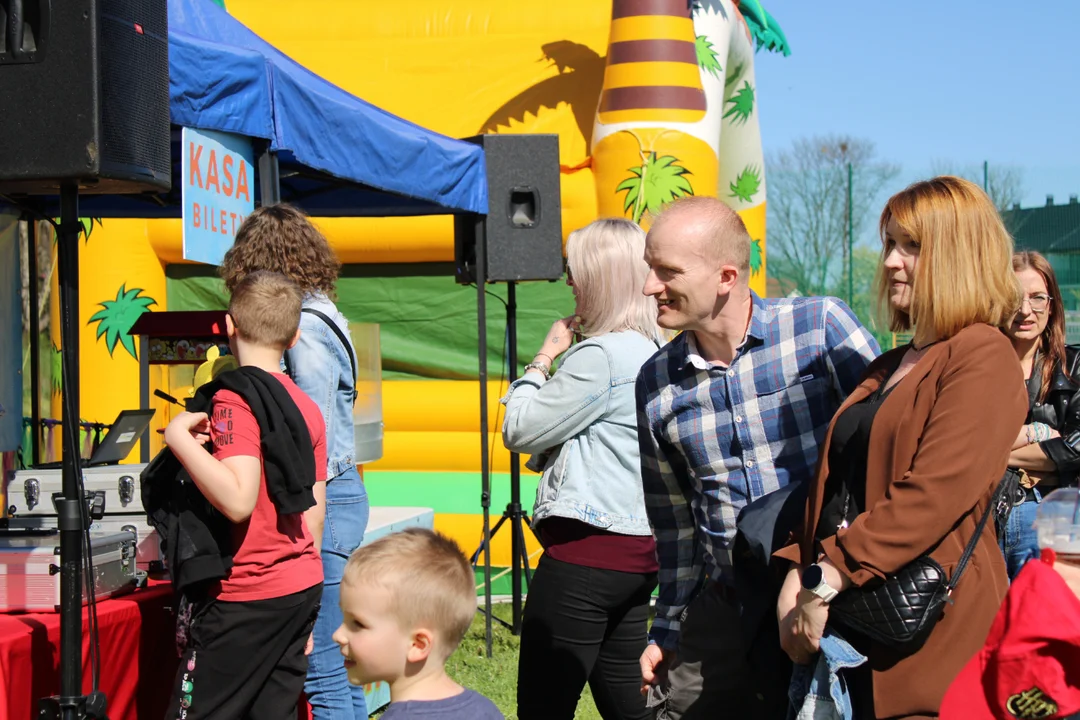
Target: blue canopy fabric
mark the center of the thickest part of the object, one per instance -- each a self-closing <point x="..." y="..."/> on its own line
<point x="338" y="155"/>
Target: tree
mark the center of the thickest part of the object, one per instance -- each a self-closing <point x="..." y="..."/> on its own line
<point x="45" y="241"/>
<point x="864" y="303"/>
<point x="808" y="207"/>
<point x="1003" y="183"/>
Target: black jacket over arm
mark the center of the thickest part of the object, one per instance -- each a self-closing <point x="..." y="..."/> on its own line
<point x="1061" y="411"/>
<point x="196" y="537"/>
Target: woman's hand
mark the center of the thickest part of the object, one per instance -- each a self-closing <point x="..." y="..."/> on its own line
<point x="558" y="339"/>
<point x="1033" y="433"/>
<point x="802" y="628"/>
<point x="789" y="593"/>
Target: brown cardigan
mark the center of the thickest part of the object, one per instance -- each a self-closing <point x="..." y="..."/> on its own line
<point x="938" y="446"/>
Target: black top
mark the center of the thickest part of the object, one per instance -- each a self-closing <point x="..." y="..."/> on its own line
<point x="196" y="537"/>
<point x="1060" y="409"/>
<point x="288" y="456"/>
<point x="845" y="487"/>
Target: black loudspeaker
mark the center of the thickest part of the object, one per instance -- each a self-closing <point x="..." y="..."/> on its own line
<point x="522" y="232"/>
<point x="85" y="92"/>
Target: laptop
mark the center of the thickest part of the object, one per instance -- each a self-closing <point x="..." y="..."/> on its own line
<point x="119" y="439"/>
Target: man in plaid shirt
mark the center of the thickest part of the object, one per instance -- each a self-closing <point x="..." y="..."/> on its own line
<point x="729" y="411"/>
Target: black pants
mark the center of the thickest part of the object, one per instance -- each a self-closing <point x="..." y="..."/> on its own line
<point x="245" y="659"/>
<point x="583" y="625"/>
<point x="711" y="677"/>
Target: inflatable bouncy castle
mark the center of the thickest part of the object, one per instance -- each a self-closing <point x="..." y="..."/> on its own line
<point x="652" y="100"/>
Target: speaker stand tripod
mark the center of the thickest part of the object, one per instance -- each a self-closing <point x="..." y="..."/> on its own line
<point x="70" y="704"/>
<point x="518" y="519"/>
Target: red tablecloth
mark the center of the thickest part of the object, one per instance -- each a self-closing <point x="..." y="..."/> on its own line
<point x="138" y="656"/>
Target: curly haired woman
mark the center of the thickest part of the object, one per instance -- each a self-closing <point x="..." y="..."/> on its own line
<point x="281" y="239"/>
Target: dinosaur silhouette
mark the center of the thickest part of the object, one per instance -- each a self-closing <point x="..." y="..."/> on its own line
<point x="581" y="75"/>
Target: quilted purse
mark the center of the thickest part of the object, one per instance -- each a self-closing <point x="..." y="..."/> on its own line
<point x="901" y="612"/>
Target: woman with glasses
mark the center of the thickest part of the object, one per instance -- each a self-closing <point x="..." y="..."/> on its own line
<point x="1046" y="453"/>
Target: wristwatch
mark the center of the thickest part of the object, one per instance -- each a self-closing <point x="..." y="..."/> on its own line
<point x="813" y="580"/>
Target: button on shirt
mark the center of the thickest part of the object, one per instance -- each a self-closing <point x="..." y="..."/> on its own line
<point x="715" y="437"/>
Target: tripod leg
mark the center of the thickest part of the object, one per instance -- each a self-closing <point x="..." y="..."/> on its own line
<point x="491" y="534"/>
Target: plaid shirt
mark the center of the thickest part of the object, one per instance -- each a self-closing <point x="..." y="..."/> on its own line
<point x="715" y="437"/>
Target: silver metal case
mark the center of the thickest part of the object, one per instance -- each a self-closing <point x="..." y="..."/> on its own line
<point x="29" y="581"/>
<point x="147" y="543"/>
<point x="30" y="492"/>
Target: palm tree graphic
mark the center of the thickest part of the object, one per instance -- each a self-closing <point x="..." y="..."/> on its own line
<point x="657" y="182"/>
<point x="117" y="316"/>
<point x="742" y="104"/>
<point x="706" y="56"/>
<point x="747" y="184"/>
<point x="756" y="256"/>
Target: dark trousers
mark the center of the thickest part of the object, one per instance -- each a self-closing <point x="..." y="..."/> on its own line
<point x="711" y="677"/>
<point x="245" y="659"/>
<point x="583" y="625"/>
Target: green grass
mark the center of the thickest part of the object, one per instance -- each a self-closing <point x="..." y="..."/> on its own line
<point x="497" y="678"/>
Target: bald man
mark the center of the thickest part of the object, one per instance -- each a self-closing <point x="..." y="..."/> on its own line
<point x="733" y="409"/>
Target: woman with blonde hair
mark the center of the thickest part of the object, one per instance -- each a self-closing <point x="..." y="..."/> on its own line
<point x="588" y="603"/>
<point x="913" y="457"/>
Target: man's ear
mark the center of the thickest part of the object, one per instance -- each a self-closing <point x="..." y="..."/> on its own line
<point x="230" y="326"/>
<point x="295" y="339"/>
<point x="423" y="643"/>
<point x="729" y="278"/>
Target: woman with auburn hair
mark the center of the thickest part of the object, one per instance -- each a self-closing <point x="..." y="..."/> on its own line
<point x="588" y="606"/>
<point x="281" y="239"/>
<point x="913" y="457"/>
<point x="1046" y="453"/>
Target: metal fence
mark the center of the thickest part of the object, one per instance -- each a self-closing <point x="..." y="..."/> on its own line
<point x="1072" y="327"/>
<point x="1039" y="204"/>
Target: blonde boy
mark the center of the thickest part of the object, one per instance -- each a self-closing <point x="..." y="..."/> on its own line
<point x="407" y="600"/>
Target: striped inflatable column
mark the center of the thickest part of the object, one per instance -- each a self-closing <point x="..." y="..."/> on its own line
<point x="652" y="72"/>
<point x="648" y="145"/>
<point x="727" y="55"/>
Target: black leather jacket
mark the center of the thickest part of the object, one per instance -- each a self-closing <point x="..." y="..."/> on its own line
<point x="1061" y="411"/>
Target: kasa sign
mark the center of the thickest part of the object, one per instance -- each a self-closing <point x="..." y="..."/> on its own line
<point x="218" y="191"/>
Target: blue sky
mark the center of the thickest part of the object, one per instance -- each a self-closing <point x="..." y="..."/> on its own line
<point x="952" y="80"/>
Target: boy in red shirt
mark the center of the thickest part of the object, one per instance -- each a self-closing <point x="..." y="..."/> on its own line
<point x="247" y="640"/>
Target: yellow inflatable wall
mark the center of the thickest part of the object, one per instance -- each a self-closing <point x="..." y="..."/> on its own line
<point x="649" y="105"/>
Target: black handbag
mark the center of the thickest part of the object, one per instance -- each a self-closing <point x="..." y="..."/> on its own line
<point x="1012" y="496"/>
<point x="901" y="612"/>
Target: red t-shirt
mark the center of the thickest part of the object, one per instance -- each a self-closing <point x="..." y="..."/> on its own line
<point x="273" y="555"/>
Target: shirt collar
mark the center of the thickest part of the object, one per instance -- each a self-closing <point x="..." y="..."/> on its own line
<point x="759" y="320"/>
<point x="756" y="331"/>
<point x="693" y="355"/>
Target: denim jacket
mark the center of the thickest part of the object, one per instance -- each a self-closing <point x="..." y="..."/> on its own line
<point x="321" y="366"/>
<point x="583" y="426"/>
<point x="820" y="691"/>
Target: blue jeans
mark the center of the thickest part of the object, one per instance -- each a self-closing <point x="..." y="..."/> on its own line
<point x="822" y="688"/>
<point x="1020" y="542"/>
<point x="327" y="687"/>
